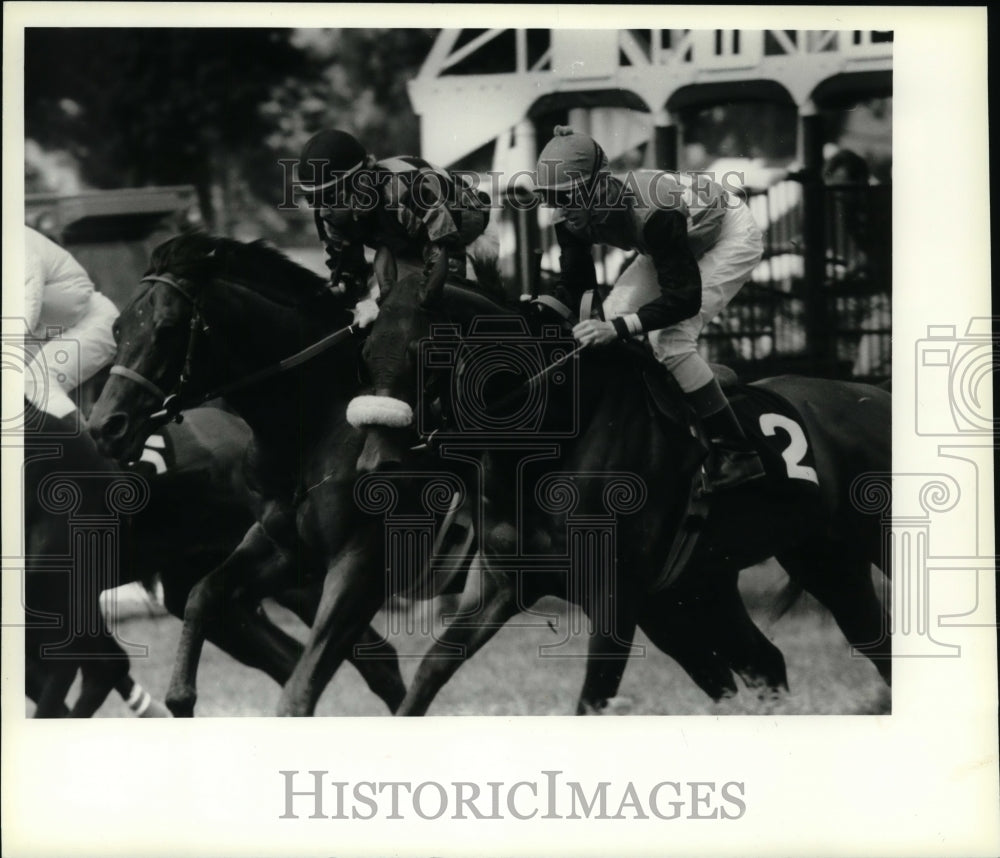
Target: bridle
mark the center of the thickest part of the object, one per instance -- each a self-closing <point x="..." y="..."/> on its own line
<point x="178" y="399"/>
<point x="171" y="402"/>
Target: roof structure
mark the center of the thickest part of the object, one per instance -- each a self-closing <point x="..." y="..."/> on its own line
<point x="476" y="85"/>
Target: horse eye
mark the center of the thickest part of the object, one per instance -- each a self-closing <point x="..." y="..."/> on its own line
<point x="166" y="328"/>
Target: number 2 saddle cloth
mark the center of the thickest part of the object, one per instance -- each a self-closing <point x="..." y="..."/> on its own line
<point x="730" y="526"/>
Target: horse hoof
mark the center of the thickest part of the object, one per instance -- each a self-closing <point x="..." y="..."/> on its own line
<point x="182" y="705"/>
<point x="618" y="706"/>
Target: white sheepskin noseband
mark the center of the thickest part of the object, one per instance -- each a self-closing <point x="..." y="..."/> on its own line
<point x="378" y="411"/>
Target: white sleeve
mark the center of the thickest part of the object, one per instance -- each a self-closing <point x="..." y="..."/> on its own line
<point x="34" y="280"/>
<point x="64" y="288"/>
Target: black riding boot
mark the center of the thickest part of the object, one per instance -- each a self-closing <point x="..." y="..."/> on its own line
<point x="732" y="461"/>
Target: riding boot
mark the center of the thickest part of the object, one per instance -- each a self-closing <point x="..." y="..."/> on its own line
<point x="732" y="459"/>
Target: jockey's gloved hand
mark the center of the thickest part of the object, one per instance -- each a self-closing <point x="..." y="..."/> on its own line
<point x="594" y="332"/>
<point x="365" y="312"/>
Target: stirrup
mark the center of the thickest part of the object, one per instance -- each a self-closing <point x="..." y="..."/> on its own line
<point x="750" y="469"/>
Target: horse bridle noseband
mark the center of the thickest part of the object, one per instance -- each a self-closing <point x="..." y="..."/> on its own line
<point x="173" y="403"/>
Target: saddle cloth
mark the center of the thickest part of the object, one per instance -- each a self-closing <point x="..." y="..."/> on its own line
<point x="777" y="430"/>
<point x="208" y="445"/>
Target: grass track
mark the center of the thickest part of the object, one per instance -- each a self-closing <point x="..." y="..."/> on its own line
<point x="508" y="677"/>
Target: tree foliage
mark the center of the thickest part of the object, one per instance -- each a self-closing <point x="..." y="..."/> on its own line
<point x="215" y="108"/>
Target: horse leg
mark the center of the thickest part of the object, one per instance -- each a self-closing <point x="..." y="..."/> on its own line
<point x="841" y="579"/>
<point x="140" y="701"/>
<point x="613" y="621"/>
<point x="379" y="663"/>
<point x="680" y="633"/>
<point x="248" y="635"/>
<point x="350" y="598"/>
<point x="99" y="676"/>
<point x="52" y="698"/>
<point x="35" y="678"/>
<point x="379" y="667"/>
<point x="757" y="661"/>
<point x="204" y="610"/>
<point x="490" y="597"/>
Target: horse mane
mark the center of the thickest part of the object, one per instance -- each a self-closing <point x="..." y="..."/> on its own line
<point x="489" y="278"/>
<point x="256" y="264"/>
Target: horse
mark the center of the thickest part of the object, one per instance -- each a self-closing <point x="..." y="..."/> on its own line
<point x="802" y="514"/>
<point x="212" y="311"/>
<point x="196" y="509"/>
<point x="213" y="314"/>
<point x="65" y="631"/>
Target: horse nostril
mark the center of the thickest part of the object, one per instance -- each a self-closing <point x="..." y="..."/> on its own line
<point x="115" y="427"/>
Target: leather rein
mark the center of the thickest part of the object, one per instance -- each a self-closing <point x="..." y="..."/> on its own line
<point x="173" y="403"/>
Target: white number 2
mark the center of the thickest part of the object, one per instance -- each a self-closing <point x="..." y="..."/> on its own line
<point x="796" y="450"/>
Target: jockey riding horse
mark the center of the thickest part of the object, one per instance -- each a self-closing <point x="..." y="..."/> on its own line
<point x="697" y="244"/>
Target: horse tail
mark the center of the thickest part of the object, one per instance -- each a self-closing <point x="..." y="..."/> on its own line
<point x="786" y="598"/>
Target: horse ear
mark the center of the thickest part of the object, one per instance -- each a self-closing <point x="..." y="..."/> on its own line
<point x="385" y="271"/>
<point x="433" y="286"/>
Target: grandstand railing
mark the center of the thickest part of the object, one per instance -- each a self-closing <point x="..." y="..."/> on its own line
<point x="778" y="323"/>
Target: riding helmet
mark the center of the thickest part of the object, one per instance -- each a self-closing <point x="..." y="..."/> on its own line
<point x="329" y="157"/>
<point x="569" y="159"/>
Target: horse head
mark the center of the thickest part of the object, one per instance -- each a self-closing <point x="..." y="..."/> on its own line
<point x="208" y="311"/>
<point x="407" y="310"/>
<point x="448" y="351"/>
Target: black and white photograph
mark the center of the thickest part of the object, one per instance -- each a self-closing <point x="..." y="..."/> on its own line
<point x="572" y="367"/>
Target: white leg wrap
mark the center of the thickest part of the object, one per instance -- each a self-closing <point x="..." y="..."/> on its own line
<point x="379" y="411"/>
<point x="133" y="698"/>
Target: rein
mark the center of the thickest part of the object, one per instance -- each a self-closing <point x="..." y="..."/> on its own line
<point x="426" y="441"/>
<point x="174" y="403"/>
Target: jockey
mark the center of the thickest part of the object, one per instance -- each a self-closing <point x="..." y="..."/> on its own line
<point x="72" y="319"/>
<point x="403" y="205"/>
<point x="697" y="245"/>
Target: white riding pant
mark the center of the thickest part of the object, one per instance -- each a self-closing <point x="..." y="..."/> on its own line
<point x="724" y="268"/>
<point x="66" y="361"/>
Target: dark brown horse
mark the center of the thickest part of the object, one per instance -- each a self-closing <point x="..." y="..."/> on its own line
<point x="194" y="509"/>
<point x="604" y="429"/>
<point x="215" y="313"/>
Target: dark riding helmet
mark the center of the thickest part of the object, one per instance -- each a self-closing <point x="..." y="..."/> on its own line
<point x="327" y="159"/>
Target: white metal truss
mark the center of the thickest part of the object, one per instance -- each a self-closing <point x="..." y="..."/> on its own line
<point x="462" y="111"/>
